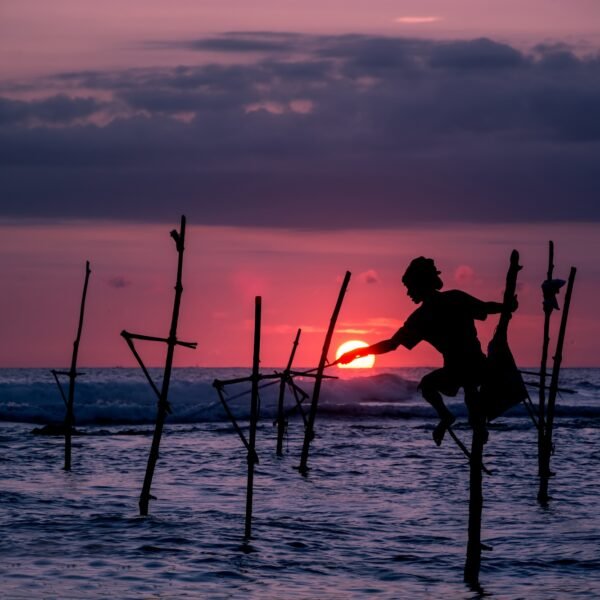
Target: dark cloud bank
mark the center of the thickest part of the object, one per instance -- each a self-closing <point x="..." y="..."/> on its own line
<point x="314" y="132"/>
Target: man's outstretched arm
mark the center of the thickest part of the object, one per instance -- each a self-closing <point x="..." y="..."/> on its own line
<point x="379" y="348"/>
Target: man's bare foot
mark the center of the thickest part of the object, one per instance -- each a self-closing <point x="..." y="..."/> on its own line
<point x="440" y="429"/>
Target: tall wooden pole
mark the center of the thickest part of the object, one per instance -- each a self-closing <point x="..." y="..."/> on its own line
<point x="282" y="386"/>
<point x="309" y="430"/>
<point x="69" y="417"/>
<point x="163" y="404"/>
<point x="473" y="562"/>
<point x="477" y="418"/>
<point x="253" y="416"/>
<point x="543" y="496"/>
<point x="548" y="308"/>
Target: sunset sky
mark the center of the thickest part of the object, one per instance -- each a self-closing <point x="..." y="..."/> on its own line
<point x="301" y="140"/>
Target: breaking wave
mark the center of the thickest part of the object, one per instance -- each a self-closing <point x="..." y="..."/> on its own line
<point x="123" y="396"/>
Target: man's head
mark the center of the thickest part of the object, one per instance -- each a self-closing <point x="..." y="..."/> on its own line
<point x="421" y="279"/>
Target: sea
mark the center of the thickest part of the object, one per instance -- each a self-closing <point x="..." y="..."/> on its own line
<point x="381" y="513"/>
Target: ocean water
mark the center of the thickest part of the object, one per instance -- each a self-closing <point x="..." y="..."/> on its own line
<point x="382" y="512"/>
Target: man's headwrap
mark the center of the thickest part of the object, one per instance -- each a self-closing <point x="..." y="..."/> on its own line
<point x="422" y="273"/>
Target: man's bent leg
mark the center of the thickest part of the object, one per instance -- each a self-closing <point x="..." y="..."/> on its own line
<point x="429" y="386"/>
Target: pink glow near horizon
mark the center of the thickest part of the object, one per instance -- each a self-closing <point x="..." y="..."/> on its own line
<point x="297" y="274"/>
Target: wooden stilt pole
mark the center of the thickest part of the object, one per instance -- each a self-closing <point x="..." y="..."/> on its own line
<point x="545" y="473"/>
<point x="163" y="404"/>
<point x="543" y="367"/>
<point x="473" y="562"/>
<point x="478" y="421"/>
<point x="309" y="431"/>
<point x="281" y="420"/>
<point x="253" y="417"/>
<point x="69" y="416"/>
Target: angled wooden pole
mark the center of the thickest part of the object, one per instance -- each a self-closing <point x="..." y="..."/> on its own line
<point x="163" y="404"/>
<point x="298" y="391"/>
<point x="281" y="420"/>
<point x="309" y="430"/>
<point x="464" y="449"/>
<point x="253" y="417"/>
<point x="545" y="473"/>
<point x="69" y="416"/>
<point x="548" y="308"/>
<point x="233" y="420"/>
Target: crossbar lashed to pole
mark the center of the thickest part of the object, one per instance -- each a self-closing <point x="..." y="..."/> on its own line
<point x="162" y="394"/>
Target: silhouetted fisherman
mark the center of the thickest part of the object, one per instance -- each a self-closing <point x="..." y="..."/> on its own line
<point x="446" y="321"/>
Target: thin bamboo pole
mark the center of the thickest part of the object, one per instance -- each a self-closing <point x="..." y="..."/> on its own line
<point x="281" y="420"/>
<point x="543" y="367"/>
<point x="69" y="416"/>
<point x="309" y="430"/>
<point x="545" y="474"/>
<point x="163" y="404"/>
<point x="253" y="417"/>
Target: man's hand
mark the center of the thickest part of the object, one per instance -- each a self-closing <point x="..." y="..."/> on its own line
<point x="349" y="356"/>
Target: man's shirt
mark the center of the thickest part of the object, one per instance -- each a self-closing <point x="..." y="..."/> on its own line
<point x="447" y="322"/>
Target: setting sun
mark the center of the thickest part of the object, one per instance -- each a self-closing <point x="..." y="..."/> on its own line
<point x="365" y="362"/>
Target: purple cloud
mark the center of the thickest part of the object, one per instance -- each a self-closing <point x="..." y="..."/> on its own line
<point x="399" y="131"/>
